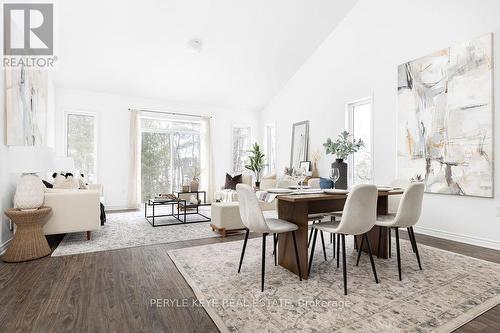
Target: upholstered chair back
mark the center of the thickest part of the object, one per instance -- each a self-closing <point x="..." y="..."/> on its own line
<point x="360" y="210"/>
<point x="250" y="212"/>
<point x="410" y="206"/>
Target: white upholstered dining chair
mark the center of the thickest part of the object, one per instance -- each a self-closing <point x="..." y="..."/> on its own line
<point x="360" y="213"/>
<point x="408" y="214"/>
<point x="254" y="221"/>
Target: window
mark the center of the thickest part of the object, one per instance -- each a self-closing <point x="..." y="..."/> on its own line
<point x="81" y="142"/>
<point x="242" y="143"/>
<point x="359" y="124"/>
<point x="270" y="148"/>
<point x="170" y="154"/>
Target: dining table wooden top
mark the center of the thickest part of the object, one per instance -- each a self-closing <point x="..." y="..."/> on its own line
<point x="327" y="196"/>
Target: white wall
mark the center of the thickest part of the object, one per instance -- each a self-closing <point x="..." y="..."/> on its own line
<point x="6" y="180"/>
<point x="113" y="141"/>
<point x="360" y="59"/>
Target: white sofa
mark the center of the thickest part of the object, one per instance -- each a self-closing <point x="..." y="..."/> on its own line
<point x="73" y="210"/>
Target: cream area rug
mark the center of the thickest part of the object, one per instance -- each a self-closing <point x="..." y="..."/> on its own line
<point x="450" y="290"/>
<point x="130" y="229"/>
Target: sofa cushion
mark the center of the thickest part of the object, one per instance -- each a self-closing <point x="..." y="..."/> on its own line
<point x="231" y="182"/>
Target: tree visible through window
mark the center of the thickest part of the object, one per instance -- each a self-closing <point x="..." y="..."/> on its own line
<point x="81" y="143"/>
<point x="242" y="137"/>
<point x="170" y="155"/>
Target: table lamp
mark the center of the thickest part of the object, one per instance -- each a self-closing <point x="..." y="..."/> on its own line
<point x="29" y="161"/>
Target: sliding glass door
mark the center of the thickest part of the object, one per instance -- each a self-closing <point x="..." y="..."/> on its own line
<point x="170" y="155"/>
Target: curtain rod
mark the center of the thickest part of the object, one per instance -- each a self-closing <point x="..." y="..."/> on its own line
<point x="168" y="112"/>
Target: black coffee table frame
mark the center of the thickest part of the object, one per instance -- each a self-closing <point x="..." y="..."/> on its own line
<point x="188" y="205"/>
<point x="160" y="202"/>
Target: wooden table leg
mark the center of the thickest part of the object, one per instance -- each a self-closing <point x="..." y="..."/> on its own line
<point x="297" y="214"/>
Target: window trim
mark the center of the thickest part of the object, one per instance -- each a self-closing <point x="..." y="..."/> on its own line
<point x="349" y="106"/>
<point x="267" y="143"/>
<point x="97" y="133"/>
<point x="239" y="125"/>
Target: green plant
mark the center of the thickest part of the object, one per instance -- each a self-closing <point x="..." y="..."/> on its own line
<point x="256" y="161"/>
<point x="344" y="146"/>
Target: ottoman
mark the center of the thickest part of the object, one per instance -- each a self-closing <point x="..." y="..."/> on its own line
<point x="226" y="217"/>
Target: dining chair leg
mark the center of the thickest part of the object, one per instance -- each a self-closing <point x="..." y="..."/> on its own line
<point x="356" y="243"/>
<point x="390" y="242"/>
<point x="416" y="247"/>
<point x="275" y="241"/>
<point x="312" y="250"/>
<point x="297" y="254"/>
<point x="365" y="236"/>
<point x="310" y="236"/>
<point x="410" y="236"/>
<point x="323" y="244"/>
<point x="263" y="261"/>
<point x="379" y="241"/>
<point x="359" y="250"/>
<point x="338" y="250"/>
<point x="331" y="238"/>
<point x="398" y="252"/>
<point x="333" y="246"/>
<point x="243" y="249"/>
<point x="344" y="265"/>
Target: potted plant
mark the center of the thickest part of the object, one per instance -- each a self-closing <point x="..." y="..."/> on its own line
<point x="256" y="163"/>
<point x="342" y="147"/>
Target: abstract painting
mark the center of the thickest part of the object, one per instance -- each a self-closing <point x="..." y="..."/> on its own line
<point x="26" y="106"/>
<point x="445" y="119"/>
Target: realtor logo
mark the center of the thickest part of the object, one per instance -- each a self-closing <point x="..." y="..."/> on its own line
<point x="28" y="29"/>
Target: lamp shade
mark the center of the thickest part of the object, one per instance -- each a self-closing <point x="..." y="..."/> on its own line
<point x="63" y="163"/>
<point x="30" y="159"/>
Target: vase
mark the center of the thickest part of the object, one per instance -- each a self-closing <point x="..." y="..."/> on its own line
<point x="257" y="186"/>
<point x="314" y="173"/>
<point x="341" y="183"/>
<point x="195" y="185"/>
<point x="29" y="192"/>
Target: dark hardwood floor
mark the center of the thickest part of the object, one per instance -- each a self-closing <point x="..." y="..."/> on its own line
<point x="111" y="291"/>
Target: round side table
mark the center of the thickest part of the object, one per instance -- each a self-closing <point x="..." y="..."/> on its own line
<point x="29" y="242"/>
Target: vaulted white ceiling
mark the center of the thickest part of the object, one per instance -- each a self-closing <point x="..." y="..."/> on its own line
<point x="140" y="48"/>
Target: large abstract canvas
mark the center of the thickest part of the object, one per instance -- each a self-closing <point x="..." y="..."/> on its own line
<point x="26" y="106"/>
<point x="445" y="116"/>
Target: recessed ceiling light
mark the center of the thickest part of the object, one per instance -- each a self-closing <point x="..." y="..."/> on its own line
<point x="195" y="44"/>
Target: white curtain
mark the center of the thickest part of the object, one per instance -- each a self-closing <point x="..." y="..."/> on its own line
<point x="207" y="170"/>
<point x="134" y="185"/>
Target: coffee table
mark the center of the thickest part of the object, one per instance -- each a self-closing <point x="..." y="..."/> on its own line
<point x="187" y="205"/>
<point x="172" y="202"/>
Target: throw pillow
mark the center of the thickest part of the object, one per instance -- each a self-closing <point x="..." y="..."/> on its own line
<point x="47" y="184"/>
<point x="325" y="183"/>
<point x="67" y="183"/>
<point x="231" y="182"/>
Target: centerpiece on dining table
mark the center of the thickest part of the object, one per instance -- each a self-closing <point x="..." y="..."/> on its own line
<point x="342" y="147"/>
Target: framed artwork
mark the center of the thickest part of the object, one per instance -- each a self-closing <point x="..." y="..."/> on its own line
<point x="306" y="165"/>
<point x="300" y="143"/>
<point x="445" y="119"/>
<point x="26" y="106"/>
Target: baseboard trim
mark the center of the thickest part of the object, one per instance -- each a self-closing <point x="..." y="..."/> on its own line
<point x="459" y="237"/>
<point x="4" y="246"/>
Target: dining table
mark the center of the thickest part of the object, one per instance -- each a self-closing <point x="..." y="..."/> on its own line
<point x="296" y="208"/>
